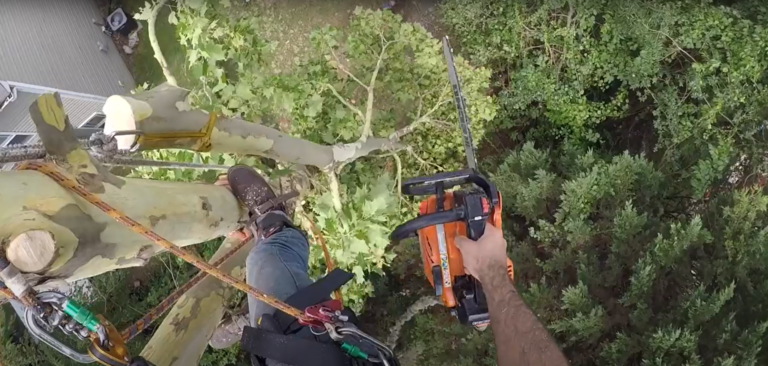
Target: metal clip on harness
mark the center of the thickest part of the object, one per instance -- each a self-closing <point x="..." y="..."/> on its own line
<point x="56" y="310"/>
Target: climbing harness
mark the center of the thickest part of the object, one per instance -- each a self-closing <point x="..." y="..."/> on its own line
<point x="51" y="309"/>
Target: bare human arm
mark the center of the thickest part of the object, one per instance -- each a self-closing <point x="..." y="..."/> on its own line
<point x="521" y="340"/>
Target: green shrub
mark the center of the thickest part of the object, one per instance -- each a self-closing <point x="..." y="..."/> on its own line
<point x="625" y="272"/>
<point x="639" y="216"/>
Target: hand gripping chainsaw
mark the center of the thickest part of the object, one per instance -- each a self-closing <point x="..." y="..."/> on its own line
<point x="446" y="214"/>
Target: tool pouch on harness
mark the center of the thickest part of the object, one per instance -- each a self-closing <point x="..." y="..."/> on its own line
<point x="281" y="338"/>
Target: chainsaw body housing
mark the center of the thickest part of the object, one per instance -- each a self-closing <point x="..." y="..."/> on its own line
<point x="443" y="216"/>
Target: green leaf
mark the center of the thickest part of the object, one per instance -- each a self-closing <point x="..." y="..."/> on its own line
<point x="357" y="246"/>
<point x="229" y="159"/>
<point x="244" y="91"/>
<point x="144" y="12"/>
<point x="346" y="133"/>
<point x="196" y="71"/>
<point x="215" y="52"/>
<point x="195" y="4"/>
<point x="359" y="274"/>
<point x="341" y="112"/>
<point x="234" y="103"/>
<point x="172" y="18"/>
<point x="374" y="206"/>
<point x="314" y="105"/>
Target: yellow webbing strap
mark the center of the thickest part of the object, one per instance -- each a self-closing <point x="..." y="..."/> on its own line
<point x="203" y="136"/>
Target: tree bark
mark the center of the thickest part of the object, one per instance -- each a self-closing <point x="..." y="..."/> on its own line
<point x="163" y="110"/>
<point x="89" y="243"/>
<point x="183" y="336"/>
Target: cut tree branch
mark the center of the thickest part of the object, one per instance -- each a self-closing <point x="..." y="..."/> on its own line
<point x="397" y="135"/>
<point x="333" y="181"/>
<point x="345" y="70"/>
<point x="369" y="102"/>
<point x="156" y="45"/>
<point x="163" y="110"/>
<point x="346" y="103"/>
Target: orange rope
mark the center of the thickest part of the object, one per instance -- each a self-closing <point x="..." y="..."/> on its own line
<point x="319" y="239"/>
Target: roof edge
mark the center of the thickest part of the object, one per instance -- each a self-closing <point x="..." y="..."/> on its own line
<point x="36" y="89"/>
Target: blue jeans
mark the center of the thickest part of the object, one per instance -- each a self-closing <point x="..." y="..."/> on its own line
<point x="277" y="266"/>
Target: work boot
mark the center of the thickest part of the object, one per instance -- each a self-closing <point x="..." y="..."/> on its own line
<point x="266" y="210"/>
<point x="229" y="331"/>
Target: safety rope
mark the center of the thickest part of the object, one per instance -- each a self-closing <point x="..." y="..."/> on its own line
<point x="320" y="240"/>
<point x="53" y="172"/>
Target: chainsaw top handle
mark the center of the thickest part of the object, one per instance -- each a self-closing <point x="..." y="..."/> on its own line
<point x="424" y="186"/>
<point x="436" y="185"/>
<point x="409" y="228"/>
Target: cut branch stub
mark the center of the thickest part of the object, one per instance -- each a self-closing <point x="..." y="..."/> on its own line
<point x="53" y="126"/>
<point x="32" y="251"/>
<point x="59" y="140"/>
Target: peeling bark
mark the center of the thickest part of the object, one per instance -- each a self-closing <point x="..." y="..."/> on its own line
<point x="163" y="110"/>
<point x="183" y="336"/>
<point x="88" y="242"/>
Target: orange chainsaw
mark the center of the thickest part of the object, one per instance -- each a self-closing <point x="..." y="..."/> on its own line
<point x="446" y="214"/>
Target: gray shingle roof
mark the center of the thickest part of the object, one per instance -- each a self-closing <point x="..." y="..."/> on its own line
<point x="53" y="43"/>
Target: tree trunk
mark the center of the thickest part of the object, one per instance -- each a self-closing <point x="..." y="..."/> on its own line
<point x="168" y="122"/>
<point x="183" y="336"/>
<point x="88" y="242"/>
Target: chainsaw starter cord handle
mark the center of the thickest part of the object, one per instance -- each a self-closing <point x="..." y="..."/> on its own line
<point x="409" y="228"/>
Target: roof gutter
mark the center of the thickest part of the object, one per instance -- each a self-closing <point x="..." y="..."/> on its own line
<point x="35" y="89"/>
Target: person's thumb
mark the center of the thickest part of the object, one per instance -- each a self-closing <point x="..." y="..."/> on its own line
<point x="462" y="242"/>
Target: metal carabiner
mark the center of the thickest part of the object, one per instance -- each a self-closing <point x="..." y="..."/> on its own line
<point x="351" y="330"/>
<point x="383" y="359"/>
<point x="31" y="319"/>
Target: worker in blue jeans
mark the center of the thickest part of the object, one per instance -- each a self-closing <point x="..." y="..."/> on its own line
<point x="278" y="265"/>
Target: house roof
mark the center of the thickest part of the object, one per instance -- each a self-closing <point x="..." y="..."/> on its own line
<point x="15" y="116"/>
<point x="54" y="43"/>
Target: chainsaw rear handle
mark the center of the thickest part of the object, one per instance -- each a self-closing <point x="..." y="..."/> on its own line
<point x="409" y="228"/>
<point x="424" y="186"/>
